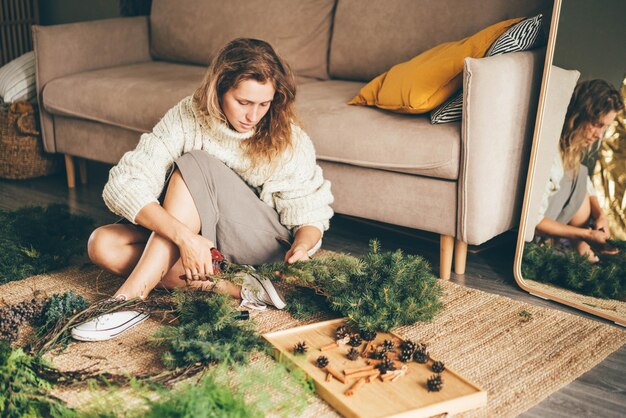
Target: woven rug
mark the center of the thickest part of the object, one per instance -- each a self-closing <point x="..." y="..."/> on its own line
<point x="519" y="361"/>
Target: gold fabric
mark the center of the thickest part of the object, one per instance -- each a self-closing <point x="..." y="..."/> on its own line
<point x="609" y="176"/>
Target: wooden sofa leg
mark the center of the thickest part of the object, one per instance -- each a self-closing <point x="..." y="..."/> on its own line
<point x="446" y="248"/>
<point x="70" y="171"/>
<point x="82" y="170"/>
<point x="460" y="256"/>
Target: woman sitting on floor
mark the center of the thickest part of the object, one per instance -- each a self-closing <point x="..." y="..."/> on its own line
<point x="570" y="208"/>
<point x="237" y="173"/>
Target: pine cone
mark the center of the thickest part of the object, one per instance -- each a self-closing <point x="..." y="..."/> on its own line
<point x="368" y="335"/>
<point x="12" y="317"/>
<point x="355" y="340"/>
<point x="387" y="345"/>
<point x="420" y="357"/>
<point x="421" y="347"/>
<point x="321" y="362"/>
<point x="300" y="348"/>
<point x="341" y="332"/>
<point x="438" y="367"/>
<point x="353" y="354"/>
<point x="434" y="383"/>
<point x="405" y="356"/>
<point x="408" y="345"/>
<point x="385" y="365"/>
<point x="378" y="354"/>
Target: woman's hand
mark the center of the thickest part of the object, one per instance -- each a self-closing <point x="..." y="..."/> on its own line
<point x="602" y="225"/>
<point x="195" y="256"/>
<point x="297" y="252"/>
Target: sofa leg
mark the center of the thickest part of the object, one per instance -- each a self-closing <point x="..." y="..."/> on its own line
<point x="460" y="256"/>
<point x="446" y="248"/>
<point x="82" y="170"/>
<point x="70" y="171"/>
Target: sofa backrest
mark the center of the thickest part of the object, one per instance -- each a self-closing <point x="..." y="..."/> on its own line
<point x="192" y="31"/>
<point x="371" y="36"/>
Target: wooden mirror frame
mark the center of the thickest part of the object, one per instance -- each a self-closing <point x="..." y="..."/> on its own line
<point x="519" y="249"/>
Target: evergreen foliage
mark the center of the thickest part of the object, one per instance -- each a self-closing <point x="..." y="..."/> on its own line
<point x="303" y="304"/>
<point x="379" y="291"/>
<point x="204" y="399"/>
<point x="22" y="391"/>
<point x="570" y="270"/>
<point x="224" y="391"/>
<point x="59" y="307"/>
<point x="36" y="240"/>
<point x="208" y="332"/>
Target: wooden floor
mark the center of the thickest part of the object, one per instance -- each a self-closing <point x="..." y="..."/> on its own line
<point x="599" y="393"/>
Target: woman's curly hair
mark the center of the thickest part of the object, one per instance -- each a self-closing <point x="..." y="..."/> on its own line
<point x="590" y="101"/>
<point x="252" y="59"/>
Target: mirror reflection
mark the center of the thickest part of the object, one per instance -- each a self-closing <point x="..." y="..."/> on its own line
<point x="575" y="207"/>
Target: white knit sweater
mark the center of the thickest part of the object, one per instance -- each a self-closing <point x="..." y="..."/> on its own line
<point x="295" y="188"/>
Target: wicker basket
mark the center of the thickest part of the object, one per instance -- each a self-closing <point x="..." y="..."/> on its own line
<point x="21" y="148"/>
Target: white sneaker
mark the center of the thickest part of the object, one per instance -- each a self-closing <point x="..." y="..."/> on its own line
<point x="257" y="293"/>
<point x="105" y="327"/>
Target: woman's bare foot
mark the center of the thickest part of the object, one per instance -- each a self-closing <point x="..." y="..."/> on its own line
<point x="585" y="249"/>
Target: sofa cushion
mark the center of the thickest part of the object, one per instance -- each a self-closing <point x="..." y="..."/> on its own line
<point x="193" y="31"/>
<point x="370" y="36"/>
<point x="369" y="137"/>
<point x="427" y="80"/>
<point x="131" y="96"/>
<point x="522" y="36"/>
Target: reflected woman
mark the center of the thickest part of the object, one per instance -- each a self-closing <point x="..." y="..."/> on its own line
<point x="569" y="207"/>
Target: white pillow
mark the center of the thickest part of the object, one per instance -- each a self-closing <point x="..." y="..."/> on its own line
<point x="17" y="79"/>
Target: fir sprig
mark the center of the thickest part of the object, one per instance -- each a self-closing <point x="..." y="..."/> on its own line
<point x="379" y="291"/>
<point x="22" y="391"/>
<point x="36" y="240"/>
<point x="570" y="270"/>
<point x="208" y="332"/>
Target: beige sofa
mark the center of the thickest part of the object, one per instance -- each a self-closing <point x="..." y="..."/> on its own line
<point x="102" y="83"/>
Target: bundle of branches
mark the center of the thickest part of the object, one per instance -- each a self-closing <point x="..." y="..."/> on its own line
<point x="36" y="240"/>
<point x="45" y="313"/>
<point x="570" y="270"/>
<point x="377" y="292"/>
<point x="54" y="333"/>
<point x="208" y="332"/>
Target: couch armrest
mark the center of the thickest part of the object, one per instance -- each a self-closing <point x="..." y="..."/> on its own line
<point x="500" y="98"/>
<point x="68" y="49"/>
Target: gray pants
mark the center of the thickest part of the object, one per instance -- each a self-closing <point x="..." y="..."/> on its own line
<point x="566" y="202"/>
<point x="244" y="228"/>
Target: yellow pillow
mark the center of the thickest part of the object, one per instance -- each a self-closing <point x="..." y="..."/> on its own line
<point x="427" y="80"/>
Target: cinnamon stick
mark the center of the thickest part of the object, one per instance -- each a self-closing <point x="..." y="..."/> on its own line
<point x="373" y="376"/>
<point x="329" y="346"/>
<point x="358" y="369"/>
<point x="387" y="377"/>
<point x="329" y="377"/>
<point x="367" y="348"/>
<point x="396" y="364"/>
<point x="364" y="373"/>
<point x="336" y="374"/>
<point x="355" y="387"/>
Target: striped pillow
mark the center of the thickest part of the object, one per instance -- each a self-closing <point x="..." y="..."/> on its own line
<point x="520" y="37"/>
<point x="17" y="79"/>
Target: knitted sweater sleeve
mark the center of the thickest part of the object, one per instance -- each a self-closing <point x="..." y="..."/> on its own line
<point x="140" y="175"/>
<point x="300" y="193"/>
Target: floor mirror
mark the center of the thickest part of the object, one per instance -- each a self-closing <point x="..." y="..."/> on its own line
<point x="586" y="42"/>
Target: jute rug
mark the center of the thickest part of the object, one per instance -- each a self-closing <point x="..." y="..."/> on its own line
<point x="612" y="307"/>
<point x="517" y="359"/>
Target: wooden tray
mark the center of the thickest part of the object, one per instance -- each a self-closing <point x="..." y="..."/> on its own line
<point x="405" y="397"/>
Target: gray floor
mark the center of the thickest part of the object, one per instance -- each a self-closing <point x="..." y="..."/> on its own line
<point x="601" y="392"/>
